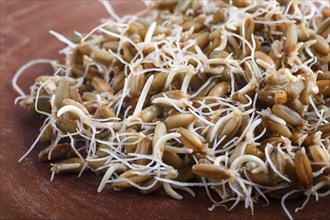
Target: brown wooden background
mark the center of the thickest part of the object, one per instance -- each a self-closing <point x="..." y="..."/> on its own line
<point x="26" y="191"/>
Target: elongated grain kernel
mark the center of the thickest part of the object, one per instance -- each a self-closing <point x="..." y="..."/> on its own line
<point x="173" y="159"/>
<point x="220" y="90"/>
<point x="278" y="161"/>
<point x="179" y="120"/>
<point x="319" y="155"/>
<point x="324" y="87"/>
<point x="160" y="131"/>
<point x="303" y="169"/>
<point x="66" y="125"/>
<point x="249" y="28"/>
<point x="298" y="137"/>
<point x="58" y="151"/>
<point x="103" y="57"/>
<point x="91" y="106"/>
<point x="105" y="112"/>
<point x="253" y="150"/>
<point x="85" y="49"/>
<point x="136" y="84"/>
<point x="130" y="147"/>
<point x="77" y="57"/>
<point x="241" y="3"/>
<point x="190" y="140"/>
<point x="75" y="95"/>
<point x="150" y="113"/>
<point x="159" y="81"/>
<point x="291" y="39"/>
<point x="130" y="174"/>
<point x="173" y="94"/>
<point x="218" y="54"/>
<point x="240" y="97"/>
<point x="288" y="115"/>
<point x="101" y="86"/>
<point x="230" y="127"/>
<point x="323" y="26"/>
<point x="62" y="92"/>
<point x="211" y="171"/>
<point x="283" y="164"/>
<point x="278" y="128"/>
<point x="264" y="57"/>
<point x="202" y="39"/>
<point x="312" y="139"/>
<point x="307" y="93"/>
<point x="88" y="96"/>
<point x="47" y="135"/>
<point x="74" y="103"/>
<point x="262" y="178"/>
<point x="297" y="106"/>
<point x="321" y="46"/>
<point x="72" y="165"/>
<point x="93" y="165"/>
<point x="218" y="16"/>
<point x="144" y="147"/>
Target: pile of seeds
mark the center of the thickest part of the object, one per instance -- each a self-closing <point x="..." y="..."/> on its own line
<point x="229" y="95"/>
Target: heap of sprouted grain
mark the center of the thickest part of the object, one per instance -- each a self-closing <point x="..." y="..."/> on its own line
<point x="229" y="95"/>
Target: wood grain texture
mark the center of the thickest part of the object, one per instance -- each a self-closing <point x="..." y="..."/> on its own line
<point x="26" y="192"/>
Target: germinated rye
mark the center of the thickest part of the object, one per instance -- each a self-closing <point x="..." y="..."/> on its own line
<point x="232" y="96"/>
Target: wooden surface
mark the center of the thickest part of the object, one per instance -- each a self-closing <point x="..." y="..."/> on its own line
<point x="26" y="192"/>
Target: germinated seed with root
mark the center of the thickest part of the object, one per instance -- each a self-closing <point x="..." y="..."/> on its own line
<point x="136" y="84"/>
<point x="144" y="147"/>
<point x="303" y="169"/>
<point x="173" y="159"/>
<point x="74" y="103"/>
<point x="320" y="155"/>
<point x="230" y="127"/>
<point x="312" y="139"/>
<point x="179" y="120"/>
<point x="191" y="141"/>
<point x="288" y="115"/>
<point x="47" y="135"/>
<point x="131" y="146"/>
<point x="291" y="38"/>
<point x="132" y="176"/>
<point x="150" y="113"/>
<point x="321" y="46"/>
<point x="159" y="132"/>
<point x="72" y="165"/>
<point x="102" y="57"/>
<point x="278" y="128"/>
<point x="220" y="90"/>
<point x="211" y="171"/>
<point x="52" y="153"/>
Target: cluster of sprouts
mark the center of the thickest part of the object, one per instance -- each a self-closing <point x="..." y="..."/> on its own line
<point x="229" y="95"/>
